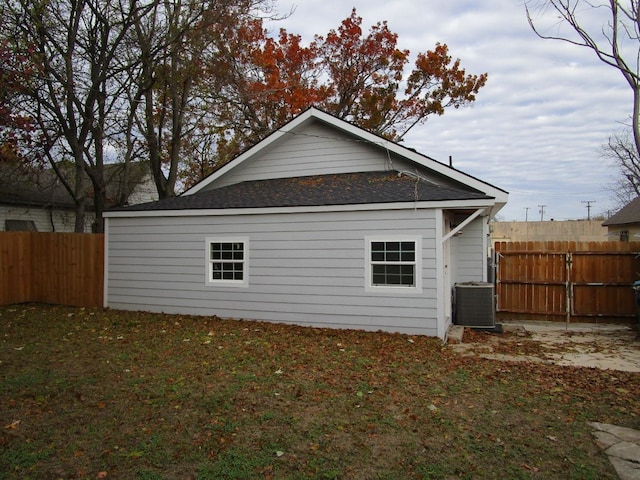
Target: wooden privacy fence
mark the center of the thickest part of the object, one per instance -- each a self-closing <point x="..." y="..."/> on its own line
<point x="55" y="268"/>
<point x="567" y="281"/>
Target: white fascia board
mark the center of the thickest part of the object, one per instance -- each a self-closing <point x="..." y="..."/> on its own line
<point x="450" y="204"/>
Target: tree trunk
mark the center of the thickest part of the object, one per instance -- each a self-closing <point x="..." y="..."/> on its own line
<point x="80" y="197"/>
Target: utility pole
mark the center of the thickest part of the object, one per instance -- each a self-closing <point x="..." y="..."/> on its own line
<point x="526" y="214"/>
<point x="588" y="202"/>
<point x="542" y="212"/>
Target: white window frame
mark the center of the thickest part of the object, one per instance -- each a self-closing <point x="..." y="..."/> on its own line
<point x="395" y="289"/>
<point x="209" y="280"/>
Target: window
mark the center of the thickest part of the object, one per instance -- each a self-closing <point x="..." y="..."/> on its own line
<point x="624" y="235"/>
<point x="227" y="261"/>
<point x="393" y="263"/>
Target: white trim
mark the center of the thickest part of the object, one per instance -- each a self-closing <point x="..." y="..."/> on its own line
<point x="486" y="241"/>
<point x="369" y="287"/>
<point x="483" y="203"/>
<point x="466" y="222"/>
<point x="105" y="285"/>
<point x="440" y="280"/>
<point x="208" y="280"/>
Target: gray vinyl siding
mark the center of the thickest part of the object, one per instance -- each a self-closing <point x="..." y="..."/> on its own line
<point x="305" y="269"/>
<point x="317" y="150"/>
<point x="470" y="257"/>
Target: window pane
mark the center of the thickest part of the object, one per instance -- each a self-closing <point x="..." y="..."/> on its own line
<point x="408" y="251"/>
<point x="377" y="246"/>
<point x="393" y="251"/>
<point x="393" y="246"/>
<point x="407" y="275"/>
<point x="216" y="271"/>
<point x="377" y="251"/>
<point x="379" y="274"/>
<point x="393" y="269"/>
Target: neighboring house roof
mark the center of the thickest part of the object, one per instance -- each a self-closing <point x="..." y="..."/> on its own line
<point x="32" y="188"/>
<point x="42" y="188"/>
<point x="334" y="189"/>
<point x="628" y="214"/>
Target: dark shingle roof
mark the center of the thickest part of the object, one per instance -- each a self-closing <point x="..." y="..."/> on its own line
<point x="630" y="213"/>
<point x="40" y="188"/>
<point x="335" y="189"/>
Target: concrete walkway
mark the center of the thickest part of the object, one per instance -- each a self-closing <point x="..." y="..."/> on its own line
<point x="604" y="346"/>
<point x="622" y="446"/>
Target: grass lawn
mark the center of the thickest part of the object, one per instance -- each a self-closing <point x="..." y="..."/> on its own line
<point x="91" y="393"/>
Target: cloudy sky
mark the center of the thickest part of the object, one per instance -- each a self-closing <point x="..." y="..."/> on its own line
<point x="536" y="128"/>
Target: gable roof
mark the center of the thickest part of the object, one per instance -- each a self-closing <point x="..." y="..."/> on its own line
<point x="314" y="114"/>
<point x="628" y="214"/>
<point x="32" y="188"/>
<point x="43" y="188"/>
<point x="317" y="190"/>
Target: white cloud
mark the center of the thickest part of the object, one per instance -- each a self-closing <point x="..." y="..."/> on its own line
<point x="537" y="126"/>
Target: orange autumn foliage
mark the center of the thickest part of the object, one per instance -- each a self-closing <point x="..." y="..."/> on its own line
<point x="262" y="82"/>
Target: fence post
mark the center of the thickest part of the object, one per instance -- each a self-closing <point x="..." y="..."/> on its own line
<point x="568" y="260"/>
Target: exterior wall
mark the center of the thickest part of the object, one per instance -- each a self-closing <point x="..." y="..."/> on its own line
<point x="318" y="150"/>
<point x="305" y="269"/>
<point x="619" y="232"/>
<point x="571" y="231"/>
<point x="469" y="251"/>
<point x="44" y="219"/>
<point x="144" y="192"/>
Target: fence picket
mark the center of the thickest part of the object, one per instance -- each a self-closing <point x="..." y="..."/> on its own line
<point x="589" y="280"/>
<point x="55" y="268"/>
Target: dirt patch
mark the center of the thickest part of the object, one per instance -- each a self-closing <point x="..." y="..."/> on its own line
<point x="614" y="347"/>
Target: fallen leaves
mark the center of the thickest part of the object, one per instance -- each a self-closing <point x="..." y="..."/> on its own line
<point x="289" y="401"/>
<point x="13" y="425"/>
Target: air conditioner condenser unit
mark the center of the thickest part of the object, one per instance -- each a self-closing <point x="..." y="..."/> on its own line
<point x="474" y="305"/>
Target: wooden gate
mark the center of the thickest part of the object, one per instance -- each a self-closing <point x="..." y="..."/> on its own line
<point x="567" y="281"/>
